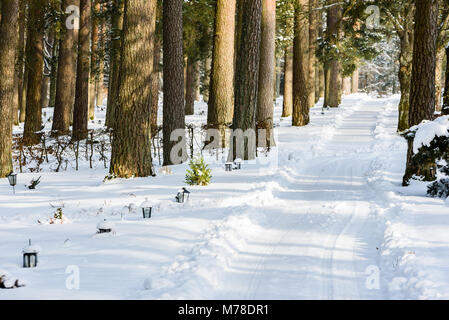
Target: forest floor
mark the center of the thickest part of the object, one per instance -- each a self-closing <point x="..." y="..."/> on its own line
<point x="325" y="218"/>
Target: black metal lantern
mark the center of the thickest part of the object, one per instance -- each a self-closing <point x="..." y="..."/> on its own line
<point x="228" y="166"/>
<point x="147" y="212"/>
<point x="183" y="195"/>
<point x="104" y="227"/>
<point x="12" y="178"/>
<point x="146" y="209"/>
<point x="433" y="171"/>
<point x="30" y="256"/>
<point x="238" y="164"/>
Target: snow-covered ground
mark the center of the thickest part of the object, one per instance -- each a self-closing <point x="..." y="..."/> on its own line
<point x="326" y="218"/>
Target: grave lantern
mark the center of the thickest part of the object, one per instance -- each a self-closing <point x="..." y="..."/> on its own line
<point x="12" y="178"/>
<point x="228" y="166"/>
<point x="146" y="209"/>
<point x="30" y="255"/>
<point x="104" y="226"/>
<point x="183" y="195"/>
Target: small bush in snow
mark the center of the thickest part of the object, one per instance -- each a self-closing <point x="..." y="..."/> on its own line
<point x="199" y="173"/>
<point x="439" y="188"/>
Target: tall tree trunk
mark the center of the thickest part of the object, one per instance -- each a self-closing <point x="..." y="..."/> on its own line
<point x="8" y="47"/>
<point x="287" y="107"/>
<point x="439" y="77"/>
<point x="206" y="80"/>
<point x="247" y="78"/>
<point x="35" y="64"/>
<point x="174" y="113"/>
<point x="93" y="80"/>
<point x="155" y="87"/>
<point x="333" y="78"/>
<point x="301" y="65"/>
<point x="54" y="69"/>
<point x="131" y="146"/>
<point x="66" y="75"/>
<point x="313" y="34"/>
<point x="355" y="81"/>
<point x="405" y="73"/>
<point x="21" y="60"/>
<point x="422" y="92"/>
<point x="190" y="87"/>
<point x="221" y="92"/>
<point x="346" y="85"/>
<point x="265" y="107"/>
<point x="116" y="28"/>
<point x="445" y="108"/>
<point x="81" y="106"/>
<point x="197" y="81"/>
<point x="99" y="80"/>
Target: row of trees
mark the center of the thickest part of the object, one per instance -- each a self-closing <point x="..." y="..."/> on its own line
<point x="58" y="53"/>
<point x="62" y="53"/>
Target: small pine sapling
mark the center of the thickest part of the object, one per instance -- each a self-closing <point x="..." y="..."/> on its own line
<point x="199" y="173"/>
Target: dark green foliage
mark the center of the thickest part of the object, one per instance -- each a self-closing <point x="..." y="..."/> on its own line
<point x="199" y="173"/>
<point x="355" y="42"/>
<point x="439" y="188"/>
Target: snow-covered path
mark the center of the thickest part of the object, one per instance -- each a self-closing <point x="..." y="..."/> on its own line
<point x="320" y="222"/>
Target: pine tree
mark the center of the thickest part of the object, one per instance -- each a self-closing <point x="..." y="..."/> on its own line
<point x="301" y="65"/>
<point x="34" y="65"/>
<point x="174" y="113"/>
<point x="81" y="107"/>
<point x="131" y="146"/>
<point x="221" y="92"/>
<point x="422" y="94"/>
<point x="8" y="47"/>
<point x="265" y="105"/>
<point x="66" y="75"/>
<point x="247" y="77"/>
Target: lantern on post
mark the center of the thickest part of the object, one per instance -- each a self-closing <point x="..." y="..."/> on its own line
<point x="228" y="166"/>
<point x="30" y="255"/>
<point x="183" y="195"/>
<point x="12" y="178"/>
<point x="146" y="209"/>
<point x="104" y="227"/>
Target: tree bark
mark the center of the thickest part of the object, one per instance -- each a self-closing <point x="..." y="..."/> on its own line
<point x="21" y="60"/>
<point x="81" y="106"/>
<point x="422" y="92"/>
<point x="438" y="78"/>
<point x="287" y="107"/>
<point x="99" y="80"/>
<point x="174" y="113"/>
<point x="313" y="34"/>
<point x="54" y="69"/>
<point x="35" y="64"/>
<point x="8" y="47"/>
<point x="405" y="71"/>
<point x="301" y="90"/>
<point x="221" y="92"/>
<point x="116" y="28"/>
<point x="131" y="147"/>
<point x="155" y="87"/>
<point x="247" y="78"/>
<point x="265" y="107"/>
<point x="66" y="75"/>
<point x="206" y="80"/>
<point x="190" y="87"/>
<point x="94" y="53"/>
<point x="445" y="108"/>
<point x="355" y="82"/>
<point x="333" y="70"/>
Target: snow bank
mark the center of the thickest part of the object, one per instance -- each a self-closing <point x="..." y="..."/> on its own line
<point x="426" y="131"/>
